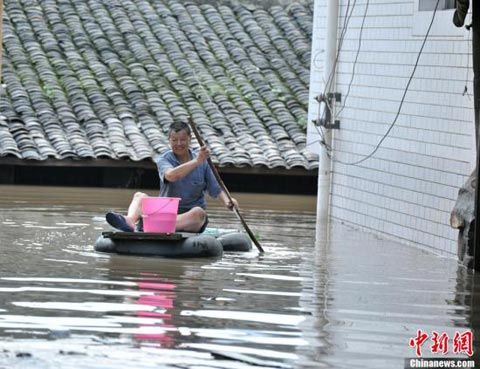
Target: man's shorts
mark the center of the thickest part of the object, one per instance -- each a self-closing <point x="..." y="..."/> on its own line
<point x="139" y="225"/>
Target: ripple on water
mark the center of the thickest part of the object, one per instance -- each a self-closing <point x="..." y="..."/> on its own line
<point x="352" y="303"/>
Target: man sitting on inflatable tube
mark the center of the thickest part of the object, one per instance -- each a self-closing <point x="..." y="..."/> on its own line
<point x="185" y="174"/>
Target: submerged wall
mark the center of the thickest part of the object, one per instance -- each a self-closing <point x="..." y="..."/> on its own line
<point x="144" y="175"/>
<point x="408" y="188"/>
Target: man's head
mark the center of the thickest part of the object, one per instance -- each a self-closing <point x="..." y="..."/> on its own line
<point x="177" y="126"/>
<point x="179" y="137"/>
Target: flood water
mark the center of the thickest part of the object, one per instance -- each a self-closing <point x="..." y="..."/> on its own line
<point x="350" y="300"/>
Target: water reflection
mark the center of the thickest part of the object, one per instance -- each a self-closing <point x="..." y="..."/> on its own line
<point x="373" y="296"/>
<point x="154" y="305"/>
<point x="162" y="301"/>
<point x="348" y="300"/>
<point x="466" y="303"/>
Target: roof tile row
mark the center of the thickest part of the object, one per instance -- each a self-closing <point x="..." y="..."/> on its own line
<point x="104" y="79"/>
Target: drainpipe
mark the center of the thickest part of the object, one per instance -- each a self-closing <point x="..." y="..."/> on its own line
<point x="324" y="163"/>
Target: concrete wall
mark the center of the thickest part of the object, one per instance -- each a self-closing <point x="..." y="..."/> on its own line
<point x="408" y="188"/>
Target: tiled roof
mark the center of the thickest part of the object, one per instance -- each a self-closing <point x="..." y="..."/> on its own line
<point x="105" y="78"/>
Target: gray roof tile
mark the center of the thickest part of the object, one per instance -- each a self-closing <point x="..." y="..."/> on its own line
<point x="96" y="79"/>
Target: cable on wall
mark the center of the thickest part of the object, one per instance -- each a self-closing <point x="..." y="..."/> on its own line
<point x="320" y="131"/>
<point x="356" y="59"/>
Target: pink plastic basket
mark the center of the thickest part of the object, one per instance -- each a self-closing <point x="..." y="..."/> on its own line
<point x="160" y="214"/>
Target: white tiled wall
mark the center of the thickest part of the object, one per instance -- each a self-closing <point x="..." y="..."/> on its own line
<point x="408" y="188"/>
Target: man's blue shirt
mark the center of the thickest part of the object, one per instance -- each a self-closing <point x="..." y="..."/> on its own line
<point x="191" y="188"/>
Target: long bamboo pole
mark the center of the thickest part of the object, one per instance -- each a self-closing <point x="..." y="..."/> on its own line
<point x="224" y="188"/>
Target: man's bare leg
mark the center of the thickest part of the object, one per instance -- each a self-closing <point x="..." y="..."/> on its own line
<point x="135" y="209"/>
<point x="192" y="220"/>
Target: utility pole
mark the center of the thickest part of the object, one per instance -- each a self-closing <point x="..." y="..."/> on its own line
<point x="324" y="163"/>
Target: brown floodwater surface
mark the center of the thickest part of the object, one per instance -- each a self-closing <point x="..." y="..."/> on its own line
<point x="347" y="300"/>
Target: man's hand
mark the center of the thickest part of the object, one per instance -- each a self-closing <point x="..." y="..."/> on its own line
<point x="203" y="154"/>
<point x="231" y="204"/>
<point x="226" y="201"/>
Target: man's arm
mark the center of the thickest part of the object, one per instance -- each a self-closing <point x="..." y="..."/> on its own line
<point x="174" y="174"/>
<point x="224" y="198"/>
<point x="214" y="190"/>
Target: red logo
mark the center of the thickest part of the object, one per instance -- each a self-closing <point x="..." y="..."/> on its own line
<point x="418" y="341"/>
<point x="440" y="343"/>
<point x="462" y="342"/>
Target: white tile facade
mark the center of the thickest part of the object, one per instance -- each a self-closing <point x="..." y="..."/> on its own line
<point x="408" y="188"/>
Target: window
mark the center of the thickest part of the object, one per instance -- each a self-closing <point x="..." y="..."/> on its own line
<point x="442" y="26"/>
<point x="425" y="5"/>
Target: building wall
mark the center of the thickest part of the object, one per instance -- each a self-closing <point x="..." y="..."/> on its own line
<point x="408" y="188"/>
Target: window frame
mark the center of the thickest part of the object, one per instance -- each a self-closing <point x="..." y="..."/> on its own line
<point x="441" y="7"/>
<point x="442" y="25"/>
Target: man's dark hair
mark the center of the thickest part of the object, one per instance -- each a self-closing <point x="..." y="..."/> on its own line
<point x="179" y="125"/>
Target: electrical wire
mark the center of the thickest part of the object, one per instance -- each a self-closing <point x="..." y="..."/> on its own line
<point x="356" y="59"/>
<point x="400" y="106"/>
<point x="322" y="136"/>
<point x="346" y="21"/>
